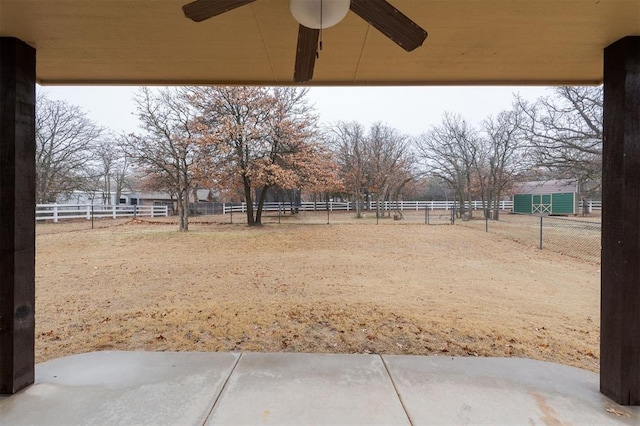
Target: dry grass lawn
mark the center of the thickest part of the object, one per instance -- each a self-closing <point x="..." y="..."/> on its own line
<point x="349" y="288"/>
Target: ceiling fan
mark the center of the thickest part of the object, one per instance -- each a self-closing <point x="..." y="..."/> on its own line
<point x="319" y="14"/>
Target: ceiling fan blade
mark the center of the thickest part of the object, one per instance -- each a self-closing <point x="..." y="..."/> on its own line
<point x="200" y="10"/>
<point x="306" y="54"/>
<point x="390" y="22"/>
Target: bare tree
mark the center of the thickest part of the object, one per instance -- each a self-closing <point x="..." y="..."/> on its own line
<point x="121" y="175"/>
<point x="113" y="166"/>
<point x="65" y="141"/>
<point x="374" y="164"/>
<point x="168" y="149"/>
<point x="565" y="132"/>
<point x="390" y="163"/>
<point x="351" y="149"/>
<point x="504" y="157"/>
<point x="451" y="153"/>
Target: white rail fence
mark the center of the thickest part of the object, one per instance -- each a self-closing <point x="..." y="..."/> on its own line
<point x="372" y="205"/>
<point x="57" y="212"/>
<point x="387" y="205"/>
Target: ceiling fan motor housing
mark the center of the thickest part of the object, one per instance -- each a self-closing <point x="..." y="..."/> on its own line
<point x="319" y="14"/>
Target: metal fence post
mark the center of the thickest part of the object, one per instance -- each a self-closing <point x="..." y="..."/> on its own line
<point x="328" y="211"/>
<point x="231" y="213"/>
<point x="540" y="232"/>
<point x="486" y="220"/>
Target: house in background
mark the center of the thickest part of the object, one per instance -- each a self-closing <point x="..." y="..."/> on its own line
<point x="95" y="198"/>
<point x="552" y="197"/>
<point x="202" y="196"/>
<point x="166" y="199"/>
<point x="150" y="199"/>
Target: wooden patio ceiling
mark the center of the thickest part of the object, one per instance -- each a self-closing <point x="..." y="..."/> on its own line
<point x="470" y="42"/>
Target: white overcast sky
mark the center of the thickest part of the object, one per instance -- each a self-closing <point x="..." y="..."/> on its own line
<point x="412" y="110"/>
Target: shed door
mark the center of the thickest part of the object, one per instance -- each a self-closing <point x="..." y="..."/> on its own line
<point x="541" y="203"/>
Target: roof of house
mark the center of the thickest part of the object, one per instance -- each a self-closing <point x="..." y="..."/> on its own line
<point x="204" y="194"/>
<point x="151" y="195"/>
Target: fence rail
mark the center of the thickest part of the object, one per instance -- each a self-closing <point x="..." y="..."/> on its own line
<point x="57" y="212"/>
<point x="370" y="205"/>
<point x="213" y="208"/>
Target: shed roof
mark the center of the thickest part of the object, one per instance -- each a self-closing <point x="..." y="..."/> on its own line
<point x="470" y="42"/>
<point x="547" y="187"/>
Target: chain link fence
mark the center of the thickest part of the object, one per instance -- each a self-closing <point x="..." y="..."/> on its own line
<point x="335" y="213"/>
<point x="578" y="237"/>
<point x="341" y="217"/>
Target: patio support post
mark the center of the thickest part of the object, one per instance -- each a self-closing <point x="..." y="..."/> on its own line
<point x="620" y="285"/>
<point x="17" y="214"/>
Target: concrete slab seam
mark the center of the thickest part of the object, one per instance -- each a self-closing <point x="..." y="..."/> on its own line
<point x="224" y="387"/>
<point x="395" y="388"/>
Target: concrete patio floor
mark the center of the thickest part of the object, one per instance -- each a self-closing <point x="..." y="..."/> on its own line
<point x="107" y="388"/>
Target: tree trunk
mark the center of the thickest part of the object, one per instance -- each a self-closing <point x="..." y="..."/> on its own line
<point x="461" y="208"/>
<point x="396" y="197"/>
<point x="487" y="204"/>
<point x="106" y="190"/>
<point x="496" y="214"/>
<point x="174" y="206"/>
<point x="385" y="197"/>
<point x="182" y="213"/>
<point x="358" y="205"/>
<point x="263" y="197"/>
<point x="469" y="198"/>
<point x="118" y="195"/>
<point x="249" y="200"/>
<point x="183" y="199"/>
<point x="185" y="210"/>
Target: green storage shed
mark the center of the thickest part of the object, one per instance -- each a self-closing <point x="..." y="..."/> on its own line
<point x="553" y="197"/>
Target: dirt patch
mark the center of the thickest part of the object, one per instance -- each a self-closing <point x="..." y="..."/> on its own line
<point x="348" y="288"/>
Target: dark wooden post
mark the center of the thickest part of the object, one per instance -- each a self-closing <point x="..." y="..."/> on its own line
<point x="620" y="303"/>
<point x="17" y="214"/>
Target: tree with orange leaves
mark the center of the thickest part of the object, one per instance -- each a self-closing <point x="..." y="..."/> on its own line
<point x="259" y="138"/>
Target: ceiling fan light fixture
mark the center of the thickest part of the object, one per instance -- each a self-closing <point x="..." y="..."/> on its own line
<point x="319" y="14"/>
